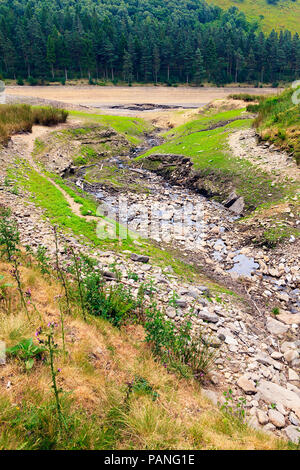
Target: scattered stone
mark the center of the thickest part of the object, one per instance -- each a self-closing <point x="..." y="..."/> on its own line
<point x="265" y="359"/>
<point x="293" y="433"/>
<point x="253" y="422"/>
<point x="276" y="418"/>
<point x="269" y="428"/>
<point x="289" y="318"/>
<point x="208" y="316"/>
<point x="293" y="419"/>
<point x="246" y="385"/>
<point x="181" y="303"/>
<point x="211" y="395"/>
<point x="291" y="355"/>
<point x="274" y="393"/>
<point x="171" y="312"/>
<point x="276" y="355"/>
<point x="109" y="275"/>
<point x="139" y="258"/>
<point x="276" y="327"/>
<point x="262" y="417"/>
<point x="292" y="375"/>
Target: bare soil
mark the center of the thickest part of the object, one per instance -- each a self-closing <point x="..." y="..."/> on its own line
<point x="95" y="96"/>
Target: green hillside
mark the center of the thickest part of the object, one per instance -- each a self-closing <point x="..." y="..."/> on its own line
<point x="285" y="14"/>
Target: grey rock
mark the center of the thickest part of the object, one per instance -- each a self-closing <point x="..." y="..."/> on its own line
<point x="293" y="433"/>
<point x="238" y="206"/>
<point x="204" y="290"/>
<point x="171" y="312"/>
<point x="273" y="393"/>
<point x="181" y="303"/>
<point x="276" y="327"/>
<point x="265" y="359"/>
<point x="293" y="419"/>
<point x="262" y="417"/>
<point x="139" y="258"/>
<point x="109" y="275"/>
<point x="211" y="395"/>
<point x="208" y="316"/>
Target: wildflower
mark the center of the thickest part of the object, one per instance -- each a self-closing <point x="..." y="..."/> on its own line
<point x="28" y="293"/>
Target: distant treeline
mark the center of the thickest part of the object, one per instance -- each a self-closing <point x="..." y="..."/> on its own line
<point x="140" y="40"/>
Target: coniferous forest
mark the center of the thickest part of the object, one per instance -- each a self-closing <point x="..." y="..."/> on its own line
<point x="175" y="41"/>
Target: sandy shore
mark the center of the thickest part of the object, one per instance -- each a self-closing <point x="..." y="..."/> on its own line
<point x="95" y="96"/>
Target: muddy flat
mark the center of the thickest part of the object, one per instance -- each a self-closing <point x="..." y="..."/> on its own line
<point x="108" y="96"/>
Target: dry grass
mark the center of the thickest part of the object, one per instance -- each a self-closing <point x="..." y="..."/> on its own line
<point x="16" y="118"/>
<point x="101" y="360"/>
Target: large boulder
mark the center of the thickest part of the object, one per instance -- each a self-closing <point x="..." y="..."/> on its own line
<point x="273" y="393"/>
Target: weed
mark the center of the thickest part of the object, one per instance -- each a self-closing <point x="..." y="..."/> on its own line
<point x="43" y="260"/>
<point x="27" y="352"/>
<point x="52" y="348"/>
<point x="9" y="234"/>
<point x="140" y="385"/>
<point x="178" y="344"/>
<point x="234" y="409"/>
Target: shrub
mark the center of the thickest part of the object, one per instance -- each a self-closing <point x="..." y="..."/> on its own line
<point x="48" y="116"/>
<point x="115" y="304"/>
<point x="246" y="97"/>
<point x="32" y="81"/>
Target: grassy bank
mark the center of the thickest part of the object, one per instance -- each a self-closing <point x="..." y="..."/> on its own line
<point x="21" y="117"/>
<point x="205" y="141"/>
<point x="131" y="127"/>
<point x="114" y="392"/>
<point x="92" y="232"/>
<point x="283" y="14"/>
<point x="278" y="121"/>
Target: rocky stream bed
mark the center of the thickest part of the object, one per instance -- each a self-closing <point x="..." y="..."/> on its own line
<point x="258" y="351"/>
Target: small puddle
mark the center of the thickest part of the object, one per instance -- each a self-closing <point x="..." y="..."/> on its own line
<point x="243" y="265"/>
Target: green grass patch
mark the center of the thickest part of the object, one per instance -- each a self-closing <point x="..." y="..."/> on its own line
<point x="204" y="121"/>
<point x="131" y="127"/>
<point x="45" y="195"/>
<point x="278" y="121"/>
<point x="217" y="167"/>
<point x="284" y="14"/>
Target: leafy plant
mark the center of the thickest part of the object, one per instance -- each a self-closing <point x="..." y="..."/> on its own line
<point x="140" y="385"/>
<point x="27" y="351"/>
<point x="133" y="276"/>
<point x="9" y="234"/>
<point x="179" y="343"/>
<point x="232" y="408"/>
<point x="3" y="287"/>
<point x="52" y="348"/>
<point x="43" y="260"/>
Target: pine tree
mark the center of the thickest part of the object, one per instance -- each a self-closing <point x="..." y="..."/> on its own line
<point x="127" y="67"/>
<point x="199" y="70"/>
<point x="51" y="56"/>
